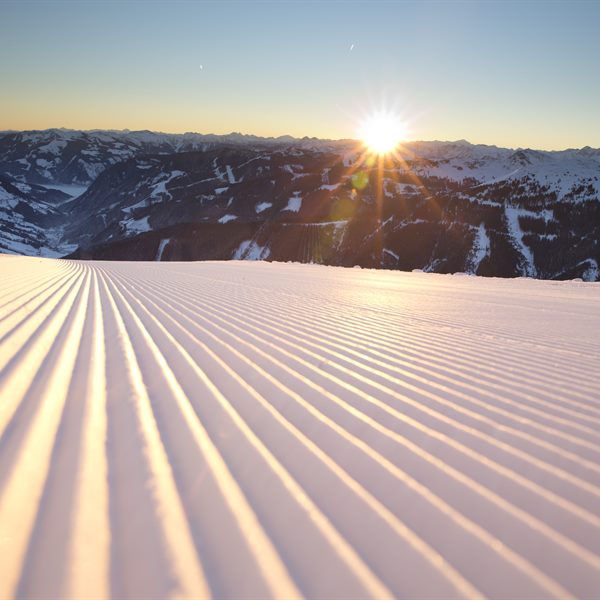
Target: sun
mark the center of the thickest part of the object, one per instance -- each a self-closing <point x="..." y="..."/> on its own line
<point x="382" y="132"/>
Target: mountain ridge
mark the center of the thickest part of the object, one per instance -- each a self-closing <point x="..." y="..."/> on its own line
<point x="283" y="137"/>
<point x="438" y="206"/>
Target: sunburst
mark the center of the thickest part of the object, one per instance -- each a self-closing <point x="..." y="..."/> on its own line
<point x="382" y="132"/>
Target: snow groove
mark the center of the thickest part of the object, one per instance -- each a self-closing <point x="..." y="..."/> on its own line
<point x="266" y="430"/>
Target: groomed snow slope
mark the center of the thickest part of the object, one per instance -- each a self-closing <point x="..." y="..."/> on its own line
<point x="270" y="430"/>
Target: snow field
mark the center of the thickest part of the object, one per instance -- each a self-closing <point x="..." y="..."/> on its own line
<point x="247" y="429"/>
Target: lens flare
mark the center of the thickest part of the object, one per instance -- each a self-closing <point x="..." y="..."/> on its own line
<point x="382" y="132"/>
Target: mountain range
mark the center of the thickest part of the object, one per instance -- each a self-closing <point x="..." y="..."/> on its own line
<point x="435" y="206"/>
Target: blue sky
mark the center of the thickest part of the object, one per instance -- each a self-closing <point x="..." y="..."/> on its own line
<point x="505" y="73"/>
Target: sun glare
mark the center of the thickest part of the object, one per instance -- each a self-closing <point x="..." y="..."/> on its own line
<point x="382" y="132"/>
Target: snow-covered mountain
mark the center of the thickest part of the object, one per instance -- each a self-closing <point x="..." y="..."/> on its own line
<point x="436" y="206"/>
<point x="65" y="156"/>
<point x="31" y="219"/>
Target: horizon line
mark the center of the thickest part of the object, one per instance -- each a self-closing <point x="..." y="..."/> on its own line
<point x="283" y="136"/>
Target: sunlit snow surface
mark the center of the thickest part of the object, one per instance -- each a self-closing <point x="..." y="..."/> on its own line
<point x="250" y="430"/>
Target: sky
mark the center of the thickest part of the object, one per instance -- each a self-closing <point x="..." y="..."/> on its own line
<point x="514" y="74"/>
